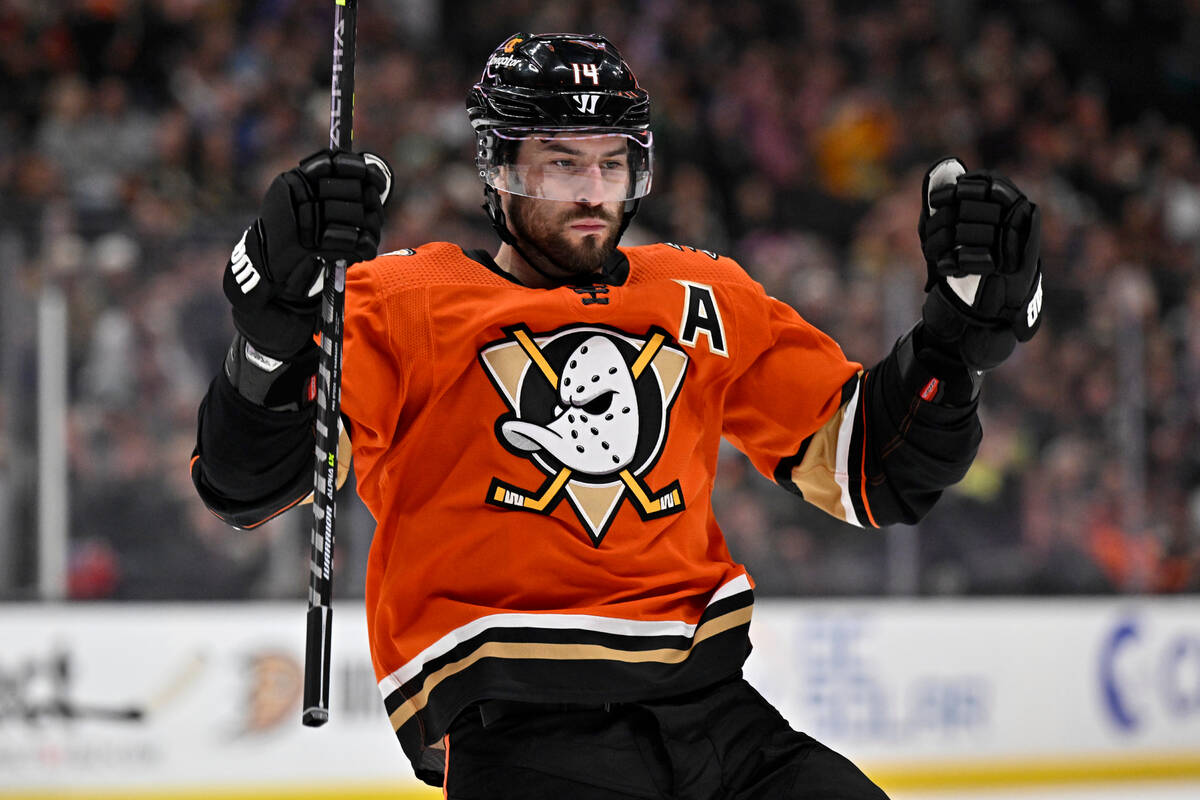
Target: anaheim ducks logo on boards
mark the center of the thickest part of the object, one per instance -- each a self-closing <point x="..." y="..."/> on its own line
<point x="590" y="407"/>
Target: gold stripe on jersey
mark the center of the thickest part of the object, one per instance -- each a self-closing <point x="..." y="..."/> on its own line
<point x="815" y="476"/>
<point x="567" y="652"/>
<point x="823" y="474"/>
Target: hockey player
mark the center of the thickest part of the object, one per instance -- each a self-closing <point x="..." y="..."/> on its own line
<point x="553" y="611"/>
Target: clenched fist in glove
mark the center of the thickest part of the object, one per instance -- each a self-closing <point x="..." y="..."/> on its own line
<point x="981" y="237"/>
<point x="329" y="207"/>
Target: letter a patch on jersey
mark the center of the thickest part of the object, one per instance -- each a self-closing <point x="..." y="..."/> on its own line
<point x="701" y="317"/>
<point x="590" y="406"/>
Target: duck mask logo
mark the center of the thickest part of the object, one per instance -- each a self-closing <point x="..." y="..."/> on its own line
<point x="590" y="407"/>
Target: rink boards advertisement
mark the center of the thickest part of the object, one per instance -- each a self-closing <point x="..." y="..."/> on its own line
<point x="953" y="692"/>
<point x="108" y="701"/>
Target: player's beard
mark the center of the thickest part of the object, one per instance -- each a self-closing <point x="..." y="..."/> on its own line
<point x="540" y="226"/>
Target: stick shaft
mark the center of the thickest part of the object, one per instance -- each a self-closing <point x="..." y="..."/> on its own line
<point x="329" y="386"/>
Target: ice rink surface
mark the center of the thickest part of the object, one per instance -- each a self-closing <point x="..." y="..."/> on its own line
<point x="1157" y="790"/>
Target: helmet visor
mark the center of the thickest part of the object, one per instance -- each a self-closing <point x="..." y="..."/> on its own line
<point x="572" y="165"/>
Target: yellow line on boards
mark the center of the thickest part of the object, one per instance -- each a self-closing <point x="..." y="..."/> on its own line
<point x="378" y="791"/>
<point x="987" y="774"/>
<point x="892" y="778"/>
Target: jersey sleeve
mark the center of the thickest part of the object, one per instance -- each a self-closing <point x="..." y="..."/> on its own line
<point x="790" y="403"/>
<point x="871" y="447"/>
<point x="373" y="374"/>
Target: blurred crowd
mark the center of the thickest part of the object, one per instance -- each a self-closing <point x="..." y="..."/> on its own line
<point x="136" y="137"/>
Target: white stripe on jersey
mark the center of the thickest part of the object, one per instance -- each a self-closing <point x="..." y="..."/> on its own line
<point x="623" y="627"/>
<point x="841" y="472"/>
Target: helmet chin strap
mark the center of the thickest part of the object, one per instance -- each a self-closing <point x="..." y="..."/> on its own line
<point x="500" y="224"/>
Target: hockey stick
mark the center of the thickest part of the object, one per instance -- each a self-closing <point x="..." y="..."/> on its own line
<point x="329" y="389"/>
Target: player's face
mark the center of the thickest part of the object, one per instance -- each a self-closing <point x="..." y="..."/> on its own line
<point x="575" y="236"/>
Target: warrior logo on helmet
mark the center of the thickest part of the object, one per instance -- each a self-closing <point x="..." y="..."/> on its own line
<point x="590" y="407"/>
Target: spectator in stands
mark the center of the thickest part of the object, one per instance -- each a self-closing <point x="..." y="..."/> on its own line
<point x="791" y="133"/>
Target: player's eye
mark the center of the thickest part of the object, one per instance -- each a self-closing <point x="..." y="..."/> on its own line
<point x="600" y="404"/>
<point x="614" y="165"/>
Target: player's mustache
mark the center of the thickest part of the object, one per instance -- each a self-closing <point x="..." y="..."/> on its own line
<point x="598" y="213"/>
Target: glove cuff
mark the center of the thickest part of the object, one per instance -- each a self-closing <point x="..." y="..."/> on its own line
<point x="936" y="374"/>
<point x="269" y="382"/>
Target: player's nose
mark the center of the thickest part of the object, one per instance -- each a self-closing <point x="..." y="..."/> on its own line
<point x="589" y="188"/>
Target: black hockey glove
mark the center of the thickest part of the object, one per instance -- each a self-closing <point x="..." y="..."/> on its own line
<point x="329" y="207"/>
<point x="981" y="237"/>
<point x="272" y="383"/>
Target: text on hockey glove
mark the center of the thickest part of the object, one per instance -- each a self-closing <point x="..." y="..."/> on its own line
<point x="329" y="207"/>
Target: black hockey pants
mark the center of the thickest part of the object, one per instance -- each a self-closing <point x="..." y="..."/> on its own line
<point x="722" y="743"/>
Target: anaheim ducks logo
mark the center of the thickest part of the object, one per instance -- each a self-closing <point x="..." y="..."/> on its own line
<point x="273" y="690"/>
<point x="590" y="407"/>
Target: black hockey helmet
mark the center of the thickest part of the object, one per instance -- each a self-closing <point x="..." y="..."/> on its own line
<point x="536" y="80"/>
<point x="566" y="86"/>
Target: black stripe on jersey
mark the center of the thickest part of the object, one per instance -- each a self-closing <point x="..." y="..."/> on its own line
<point x="558" y="678"/>
<point x="547" y="636"/>
<point x="565" y="636"/>
<point x="783" y="470"/>
<point x="855" y="468"/>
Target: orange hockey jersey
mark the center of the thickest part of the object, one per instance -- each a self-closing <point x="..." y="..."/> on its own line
<point x="539" y="463"/>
